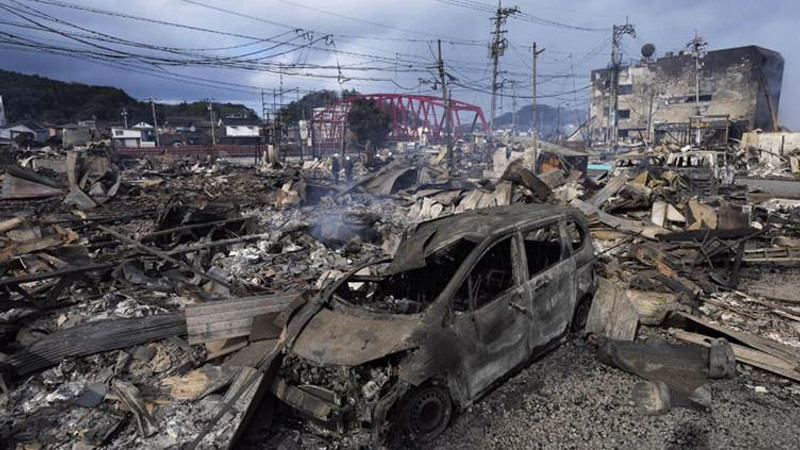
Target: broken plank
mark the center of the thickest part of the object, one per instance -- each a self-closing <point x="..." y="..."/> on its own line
<point x="631" y="226"/>
<point x="230" y="318"/>
<point x="612" y="187"/>
<point x="774" y="348"/>
<point x="31" y="246"/>
<point x="612" y="314"/>
<point x="746" y="355"/>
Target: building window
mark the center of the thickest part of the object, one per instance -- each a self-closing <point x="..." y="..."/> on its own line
<point x="622" y="133"/>
<point x="624" y="113"/>
<point x="117" y="132"/>
<point x="625" y="89"/>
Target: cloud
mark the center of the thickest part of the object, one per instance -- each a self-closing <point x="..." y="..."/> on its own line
<point x="380" y="31"/>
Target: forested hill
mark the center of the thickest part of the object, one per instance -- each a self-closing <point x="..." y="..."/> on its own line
<point x="32" y="97"/>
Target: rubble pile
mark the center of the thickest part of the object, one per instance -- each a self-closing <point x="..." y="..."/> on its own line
<point x="97" y="294"/>
<point x="142" y="300"/>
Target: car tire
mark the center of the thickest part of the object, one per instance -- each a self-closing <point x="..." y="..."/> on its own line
<point x="426" y="413"/>
<point x="581" y="314"/>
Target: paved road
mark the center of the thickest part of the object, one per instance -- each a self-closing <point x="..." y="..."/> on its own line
<point x="780" y="188"/>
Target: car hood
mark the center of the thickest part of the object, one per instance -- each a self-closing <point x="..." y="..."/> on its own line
<point x="335" y="338"/>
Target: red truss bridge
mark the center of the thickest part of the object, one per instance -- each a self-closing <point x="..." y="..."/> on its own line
<point x="412" y="116"/>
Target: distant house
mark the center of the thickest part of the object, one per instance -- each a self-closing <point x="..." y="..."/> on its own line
<point x="148" y="131"/>
<point x="178" y="124"/>
<point x="194" y="130"/>
<point x="36" y="132"/>
<point x="240" y="131"/>
<point x="129" y="138"/>
<point x="88" y="123"/>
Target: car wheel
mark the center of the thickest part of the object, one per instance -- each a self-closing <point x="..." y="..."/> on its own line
<point x="427" y="413"/>
<point x="581" y="314"/>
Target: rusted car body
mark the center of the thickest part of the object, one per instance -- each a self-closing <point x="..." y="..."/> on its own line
<point x="399" y="345"/>
<point x="704" y="170"/>
<point x="634" y="164"/>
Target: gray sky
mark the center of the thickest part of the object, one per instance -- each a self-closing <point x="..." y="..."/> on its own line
<point x="395" y="37"/>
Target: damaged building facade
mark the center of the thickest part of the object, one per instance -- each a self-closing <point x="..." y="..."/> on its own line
<point x="739" y="91"/>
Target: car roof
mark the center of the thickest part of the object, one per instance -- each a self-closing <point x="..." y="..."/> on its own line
<point x="476" y="225"/>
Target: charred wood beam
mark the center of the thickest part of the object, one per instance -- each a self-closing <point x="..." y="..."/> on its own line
<point x="155" y="234"/>
<point x="108" y="265"/>
<point x="57" y="273"/>
<point x="733" y="282"/>
<point x="165" y="257"/>
<point x="96" y="337"/>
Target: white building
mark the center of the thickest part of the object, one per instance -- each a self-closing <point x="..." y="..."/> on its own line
<point x="129" y="138"/>
<point x="237" y="127"/>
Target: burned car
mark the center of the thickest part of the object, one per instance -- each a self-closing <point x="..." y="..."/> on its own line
<point x="395" y="347"/>
<point x="704" y="170"/>
<point x="633" y="164"/>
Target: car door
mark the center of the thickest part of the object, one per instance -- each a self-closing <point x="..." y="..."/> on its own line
<point x="493" y="329"/>
<point x="550" y="283"/>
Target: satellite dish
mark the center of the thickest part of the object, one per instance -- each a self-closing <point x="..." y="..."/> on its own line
<point x="648" y="50"/>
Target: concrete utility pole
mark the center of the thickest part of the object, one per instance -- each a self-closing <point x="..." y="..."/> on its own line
<point x="534" y="125"/>
<point x="650" y="115"/>
<point x="2" y="113"/>
<point x="616" y="62"/>
<point x="698" y="47"/>
<point x="447" y="119"/>
<point x="211" y="118"/>
<point x="155" y="122"/>
<point x="513" y="106"/>
<point x="558" y="122"/>
<point x="124" y="115"/>
<point x="496" y="50"/>
<point x="275" y="140"/>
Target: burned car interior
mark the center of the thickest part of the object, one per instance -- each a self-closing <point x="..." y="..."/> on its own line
<point x="492" y="275"/>
<point x="409" y="292"/>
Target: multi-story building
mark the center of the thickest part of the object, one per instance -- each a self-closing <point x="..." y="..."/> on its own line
<point x="739" y="90"/>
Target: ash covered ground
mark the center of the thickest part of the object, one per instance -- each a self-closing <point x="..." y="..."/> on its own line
<point x="569" y="400"/>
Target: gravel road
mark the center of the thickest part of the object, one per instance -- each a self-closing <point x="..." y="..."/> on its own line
<point x="569" y="400"/>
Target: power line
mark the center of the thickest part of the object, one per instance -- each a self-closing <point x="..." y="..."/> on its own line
<point x="522" y="16"/>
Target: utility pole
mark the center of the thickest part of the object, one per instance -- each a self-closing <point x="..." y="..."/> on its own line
<point x="558" y="122"/>
<point x="650" y="115"/>
<point x="211" y="118"/>
<point x="264" y="112"/>
<point x="698" y="47"/>
<point x="496" y="50"/>
<point x="616" y="63"/>
<point x="534" y="128"/>
<point x="275" y="139"/>
<point x="155" y="122"/>
<point x="447" y="122"/>
<point x="513" y="106"/>
<point x="124" y="115"/>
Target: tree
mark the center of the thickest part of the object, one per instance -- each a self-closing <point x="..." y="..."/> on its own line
<point x="368" y="122"/>
<point x="304" y="108"/>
